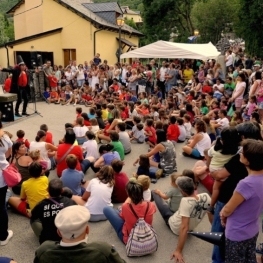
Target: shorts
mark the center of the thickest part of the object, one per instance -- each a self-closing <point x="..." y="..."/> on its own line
<point x="23" y="208"/>
<point x="260" y="105"/>
<point x="141" y="88"/>
<point x="196" y="153"/>
<point x="238" y="103"/>
<point x="208" y="183"/>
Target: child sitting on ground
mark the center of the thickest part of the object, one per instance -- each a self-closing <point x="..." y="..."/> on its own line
<point x="138" y="133"/>
<point x="72" y="178"/>
<point x="150" y="133"/>
<point x="145" y="169"/>
<point x="145" y="181"/>
<point x="173" y="131"/>
<point x="35" y="156"/>
<point x="53" y="96"/>
<point x="189" y="173"/>
<point x="118" y="147"/>
<point x="181" y="126"/>
<point x="20" y="138"/>
<point x="92" y="113"/>
<point x="90" y="147"/>
<point x="62" y="96"/>
<point x="94" y="125"/>
<point x="187" y="125"/>
<point x="84" y="115"/>
<point x="174" y="195"/>
<point x="123" y="137"/>
<point x="49" y="136"/>
<point x="68" y="95"/>
<point x="46" y="94"/>
<point x="33" y="191"/>
<point x="104" y="112"/>
<point x="119" y="194"/>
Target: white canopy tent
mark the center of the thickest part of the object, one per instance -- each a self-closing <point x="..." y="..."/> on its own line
<point x="164" y="49"/>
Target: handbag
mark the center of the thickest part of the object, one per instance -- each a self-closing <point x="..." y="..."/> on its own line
<point x="65" y="154"/>
<point x="11" y="175"/>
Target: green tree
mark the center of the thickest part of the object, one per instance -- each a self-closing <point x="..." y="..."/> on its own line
<point x="163" y="17"/>
<point x="214" y="17"/>
<point x="3" y="36"/>
<point x="249" y="25"/>
<point x="130" y="23"/>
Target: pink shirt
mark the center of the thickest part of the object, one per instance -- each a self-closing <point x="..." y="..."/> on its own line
<point x="251" y="108"/>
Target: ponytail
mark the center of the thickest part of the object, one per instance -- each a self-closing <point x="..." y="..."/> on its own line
<point x="40" y="134"/>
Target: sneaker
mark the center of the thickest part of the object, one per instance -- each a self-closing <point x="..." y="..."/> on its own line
<point x="159" y="173"/>
<point x="67" y="104"/>
<point x="25" y="114"/>
<point x="18" y="115"/>
<point x="10" y="235"/>
<point x="74" y="104"/>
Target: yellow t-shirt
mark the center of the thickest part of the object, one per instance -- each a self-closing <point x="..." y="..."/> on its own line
<point x="104" y="114"/>
<point x="34" y="190"/>
<point x="188" y="73"/>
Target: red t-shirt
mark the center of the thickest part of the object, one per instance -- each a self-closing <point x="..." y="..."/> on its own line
<point x="78" y="115"/>
<point x="119" y="194"/>
<point x="7" y="85"/>
<point x="207" y="89"/>
<point x="62" y="148"/>
<point x="86" y="97"/>
<point x="53" y="95"/>
<point x="152" y="138"/>
<point x="127" y="111"/>
<point x="191" y="115"/>
<point x="130" y="219"/>
<point x="173" y="132"/>
<point x="25" y="141"/>
<point x="106" y="128"/>
<point x="49" y="137"/>
<point x="87" y="123"/>
<point x="123" y="115"/>
<point x="52" y="81"/>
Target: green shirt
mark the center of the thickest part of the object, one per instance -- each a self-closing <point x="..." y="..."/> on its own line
<point x="204" y="110"/>
<point x="230" y="86"/>
<point x="109" y="115"/>
<point x="118" y="147"/>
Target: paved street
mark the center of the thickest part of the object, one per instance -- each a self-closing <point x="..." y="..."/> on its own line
<point x="24" y="243"/>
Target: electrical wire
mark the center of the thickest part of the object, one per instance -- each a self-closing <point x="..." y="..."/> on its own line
<point x="30" y="9"/>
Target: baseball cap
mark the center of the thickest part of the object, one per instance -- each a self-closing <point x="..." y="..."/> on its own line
<point x="257" y="64"/>
<point x="72" y="221"/>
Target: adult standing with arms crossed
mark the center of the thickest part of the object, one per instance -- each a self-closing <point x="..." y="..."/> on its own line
<point x="19" y="86"/>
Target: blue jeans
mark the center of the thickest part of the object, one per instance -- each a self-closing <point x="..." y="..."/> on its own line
<point x="85" y="165"/>
<point x="169" y="86"/>
<point x="114" y="218"/>
<point x="217" y="227"/>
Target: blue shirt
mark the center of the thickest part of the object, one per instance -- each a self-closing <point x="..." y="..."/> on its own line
<point x="72" y="178"/>
<point x="109" y="157"/>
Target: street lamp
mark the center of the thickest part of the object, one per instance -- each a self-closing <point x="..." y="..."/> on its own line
<point x="196" y="32"/>
<point x="120" y="23"/>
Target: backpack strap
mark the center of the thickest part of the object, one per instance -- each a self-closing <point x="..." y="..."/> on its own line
<point x="136" y="214"/>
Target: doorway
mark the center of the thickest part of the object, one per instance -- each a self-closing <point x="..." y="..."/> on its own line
<point x="69" y="54"/>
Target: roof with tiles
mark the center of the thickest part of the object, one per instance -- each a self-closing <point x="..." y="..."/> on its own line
<point x="99" y="21"/>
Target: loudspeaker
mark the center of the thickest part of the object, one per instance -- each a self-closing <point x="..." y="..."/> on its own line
<point x="36" y="59"/>
<point x="7" y="111"/>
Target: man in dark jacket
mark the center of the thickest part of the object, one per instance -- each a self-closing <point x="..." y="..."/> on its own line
<point x="72" y="224"/>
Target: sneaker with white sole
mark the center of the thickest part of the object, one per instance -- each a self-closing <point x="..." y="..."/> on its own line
<point x="10" y="235"/>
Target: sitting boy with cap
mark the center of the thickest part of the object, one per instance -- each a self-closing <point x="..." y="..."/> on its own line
<point x="72" y="224"/>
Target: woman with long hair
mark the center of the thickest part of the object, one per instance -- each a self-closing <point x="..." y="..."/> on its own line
<point x="22" y="161"/>
<point x="98" y="194"/>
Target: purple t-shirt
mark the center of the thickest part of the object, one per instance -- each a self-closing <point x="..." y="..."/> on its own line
<point x="110" y="156"/>
<point x="244" y="222"/>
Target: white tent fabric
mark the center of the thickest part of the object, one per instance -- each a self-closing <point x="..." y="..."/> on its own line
<point x="164" y="49"/>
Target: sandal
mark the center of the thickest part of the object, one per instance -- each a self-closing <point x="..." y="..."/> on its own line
<point x="259" y="248"/>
